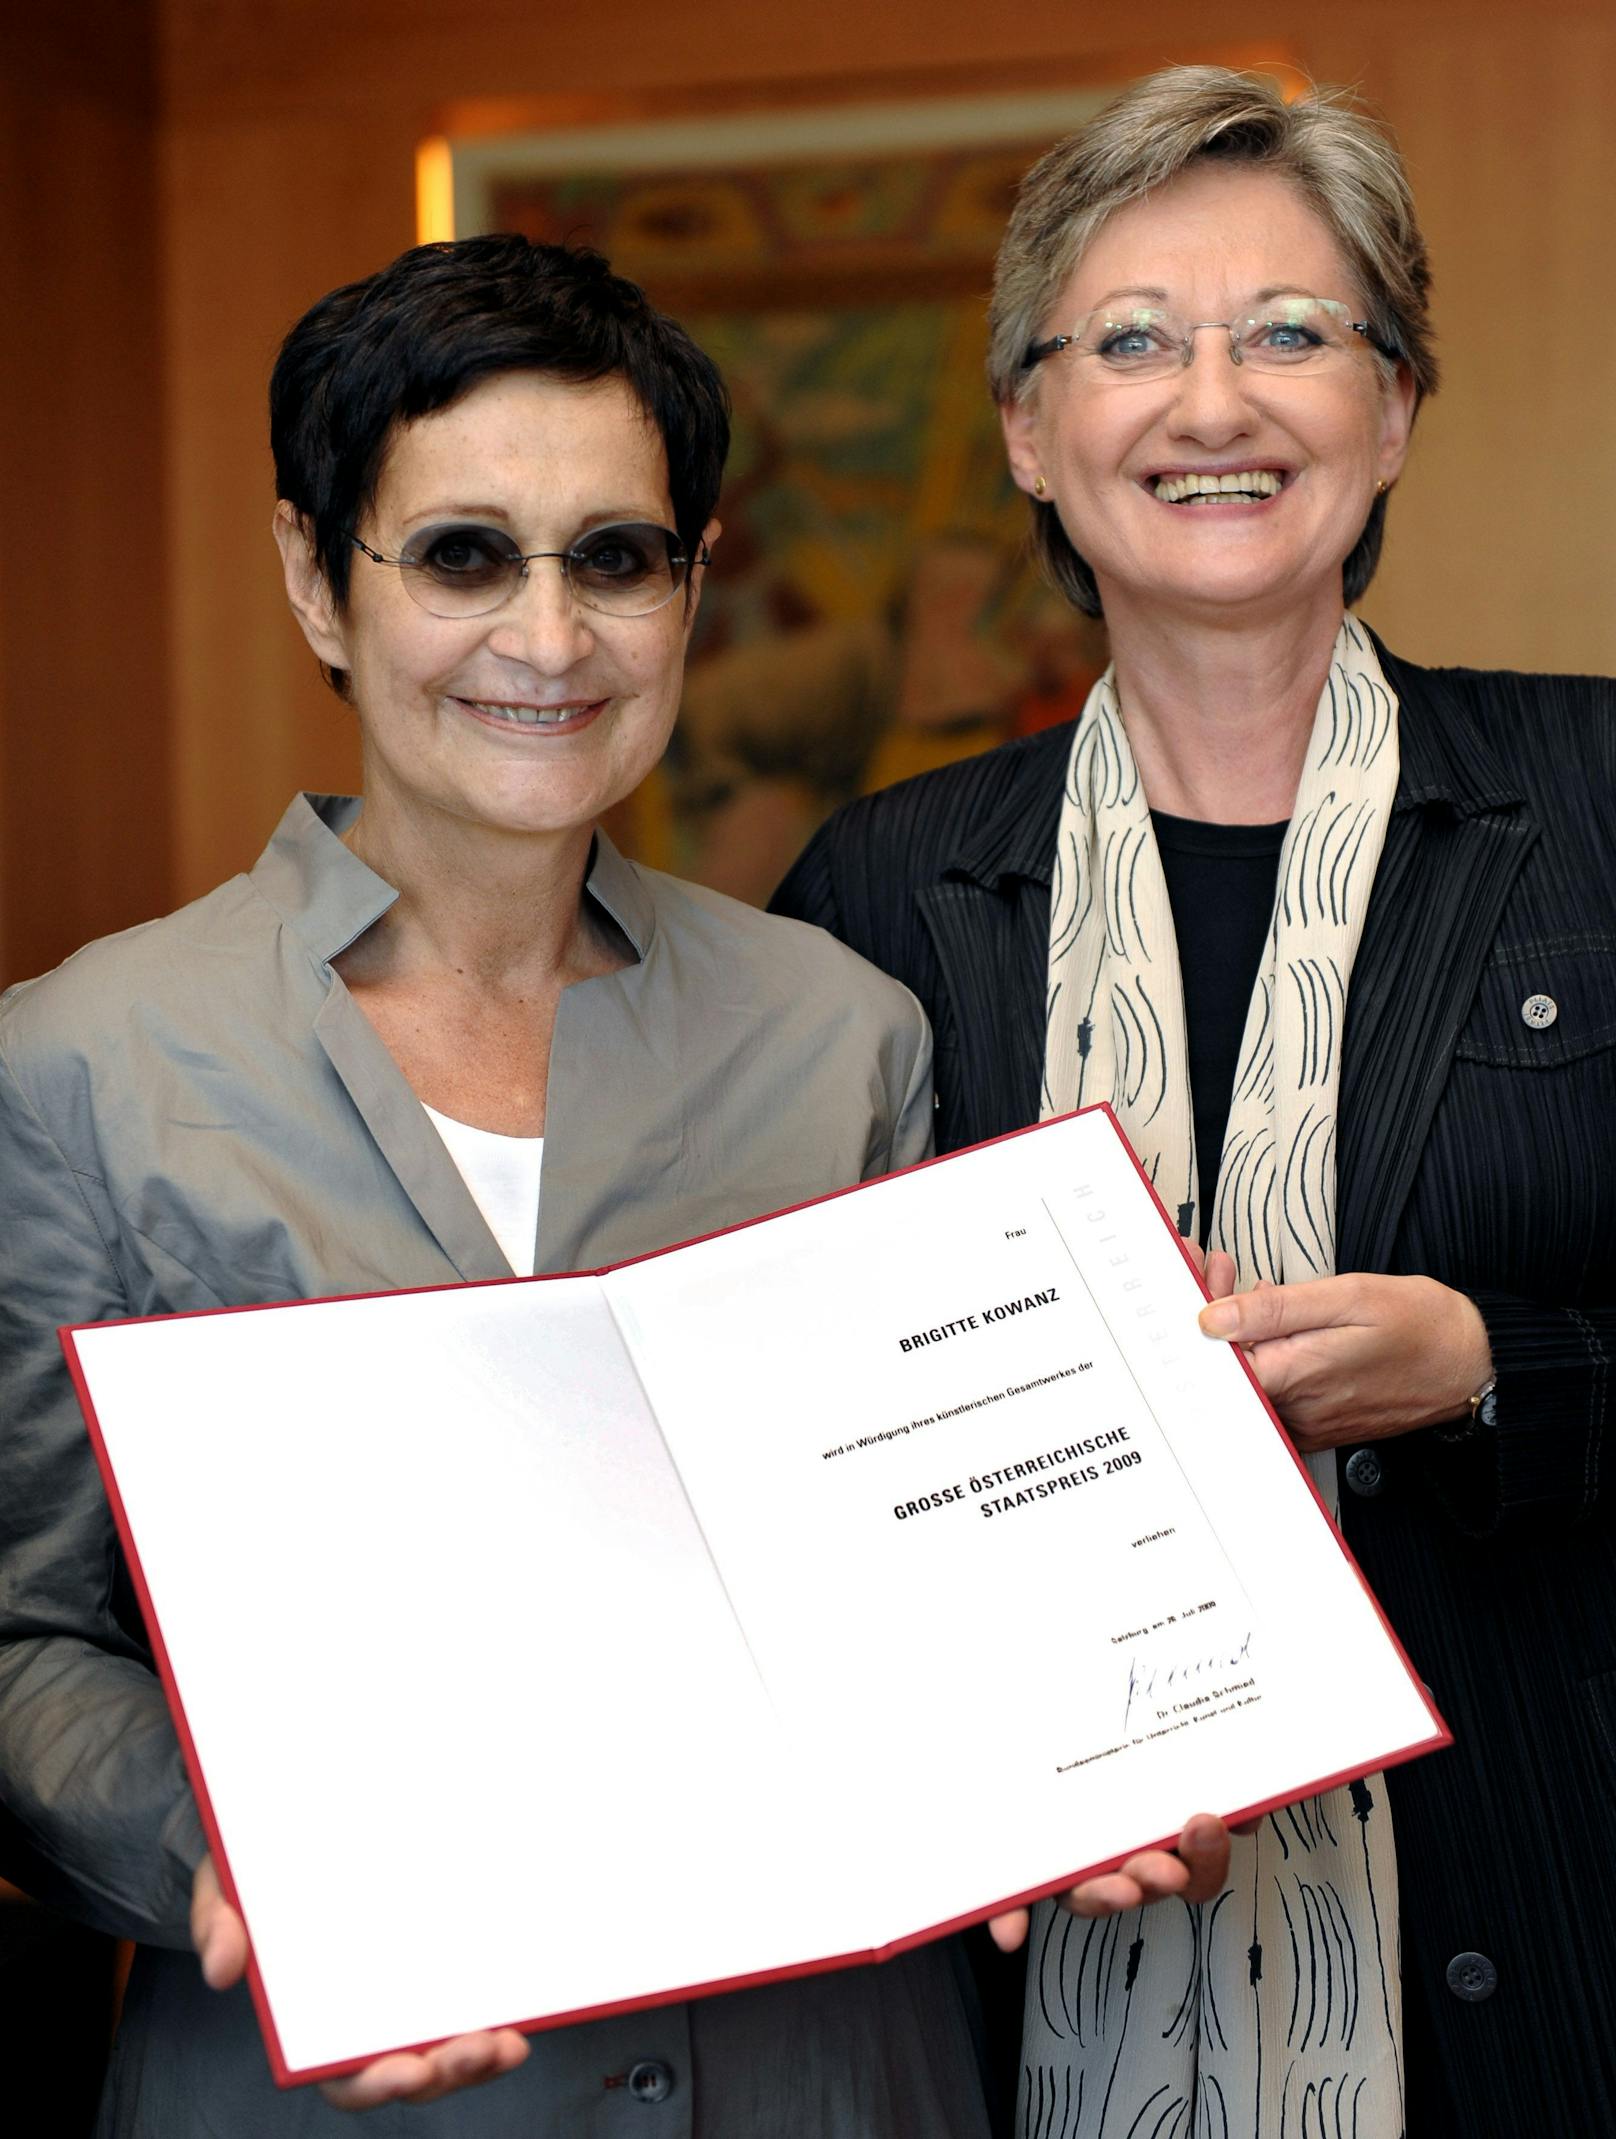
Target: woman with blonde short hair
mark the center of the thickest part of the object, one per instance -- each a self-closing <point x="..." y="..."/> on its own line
<point x="1336" y="937"/>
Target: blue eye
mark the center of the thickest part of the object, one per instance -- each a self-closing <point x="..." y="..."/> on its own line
<point x="1131" y="345"/>
<point x="1285" y="337"/>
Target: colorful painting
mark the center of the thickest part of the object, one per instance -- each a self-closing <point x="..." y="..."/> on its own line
<point x="871" y="610"/>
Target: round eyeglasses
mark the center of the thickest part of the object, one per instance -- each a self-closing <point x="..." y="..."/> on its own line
<point x="1285" y="334"/>
<point x="629" y="568"/>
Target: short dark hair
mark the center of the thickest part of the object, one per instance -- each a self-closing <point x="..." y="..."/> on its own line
<point x="416" y="335"/>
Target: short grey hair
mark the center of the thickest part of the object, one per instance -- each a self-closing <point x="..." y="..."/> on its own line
<point x="1343" y="163"/>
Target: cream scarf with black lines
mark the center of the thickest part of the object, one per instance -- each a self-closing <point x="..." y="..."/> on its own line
<point x="1275" y="2008"/>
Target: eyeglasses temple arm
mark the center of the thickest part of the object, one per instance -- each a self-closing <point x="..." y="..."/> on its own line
<point x="1037" y="351"/>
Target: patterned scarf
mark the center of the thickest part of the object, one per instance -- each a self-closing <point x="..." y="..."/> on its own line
<point x="1275" y="2008"/>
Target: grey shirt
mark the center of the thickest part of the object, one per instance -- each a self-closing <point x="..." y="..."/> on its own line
<point x="196" y="1114"/>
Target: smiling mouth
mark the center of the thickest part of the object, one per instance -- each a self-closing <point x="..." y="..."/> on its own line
<point x="1247" y="486"/>
<point x="527" y="716"/>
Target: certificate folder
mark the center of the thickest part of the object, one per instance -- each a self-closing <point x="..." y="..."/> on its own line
<point x="549" y="1648"/>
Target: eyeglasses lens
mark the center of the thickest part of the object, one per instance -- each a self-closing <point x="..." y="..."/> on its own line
<point x="627" y="569"/>
<point x="1293" y="334"/>
<point x="1289" y="334"/>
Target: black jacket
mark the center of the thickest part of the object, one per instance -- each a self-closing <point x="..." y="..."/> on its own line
<point x="1476" y="1149"/>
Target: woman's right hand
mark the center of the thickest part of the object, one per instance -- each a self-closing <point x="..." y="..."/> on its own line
<point x="220" y="1938"/>
<point x="217" y="1932"/>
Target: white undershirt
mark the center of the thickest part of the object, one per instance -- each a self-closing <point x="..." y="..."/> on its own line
<point x="502" y="1173"/>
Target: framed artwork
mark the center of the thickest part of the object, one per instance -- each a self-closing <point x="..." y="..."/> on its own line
<point x="871" y="610"/>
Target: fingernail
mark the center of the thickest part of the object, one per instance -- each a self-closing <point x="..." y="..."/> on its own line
<point x="1221" y="1319"/>
<point x="1201" y="1833"/>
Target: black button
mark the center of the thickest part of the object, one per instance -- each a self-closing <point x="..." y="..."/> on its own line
<point x="1472" y="1977"/>
<point x="1365" y="1473"/>
<point x="650" y="2080"/>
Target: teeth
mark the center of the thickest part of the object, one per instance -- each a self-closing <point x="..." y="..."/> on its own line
<point x="527" y="716"/>
<point x="1251" y="482"/>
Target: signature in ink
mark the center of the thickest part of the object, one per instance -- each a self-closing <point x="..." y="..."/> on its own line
<point x="1149" y="1680"/>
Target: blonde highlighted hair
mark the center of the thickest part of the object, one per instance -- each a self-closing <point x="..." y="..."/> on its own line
<point x="1344" y="165"/>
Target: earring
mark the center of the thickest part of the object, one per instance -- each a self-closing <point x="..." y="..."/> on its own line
<point x="1382" y="487"/>
<point x="1040" y="486"/>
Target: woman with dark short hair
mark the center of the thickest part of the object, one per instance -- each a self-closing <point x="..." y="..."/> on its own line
<point x="1336" y="937"/>
<point x="445" y="1032"/>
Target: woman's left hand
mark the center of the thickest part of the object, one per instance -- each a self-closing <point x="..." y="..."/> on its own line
<point x="1358" y="1357"/>
<point x="1195" y="1871"/>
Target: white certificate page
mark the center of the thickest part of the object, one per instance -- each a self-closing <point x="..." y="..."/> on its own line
<point x="550" y="1647"/>
<point x="1028" y="1568"/>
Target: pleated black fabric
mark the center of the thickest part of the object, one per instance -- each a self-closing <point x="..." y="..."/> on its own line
<point x="1478" y="1146"/>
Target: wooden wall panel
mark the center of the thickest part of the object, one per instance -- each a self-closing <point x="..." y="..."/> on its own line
<point x="174" y="701"/>
<point x="265" y="216"/>
<point x="85" y="797"/>
<point x="1502" y="541"/>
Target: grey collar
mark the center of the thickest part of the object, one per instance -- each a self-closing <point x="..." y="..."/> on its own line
<point x="329" y="897"/>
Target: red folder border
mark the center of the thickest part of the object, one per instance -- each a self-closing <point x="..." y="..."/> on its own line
<point x="284" y="2075"/>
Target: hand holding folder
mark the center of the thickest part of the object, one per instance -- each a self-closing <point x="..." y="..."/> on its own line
<point x="960" y="1560"/>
